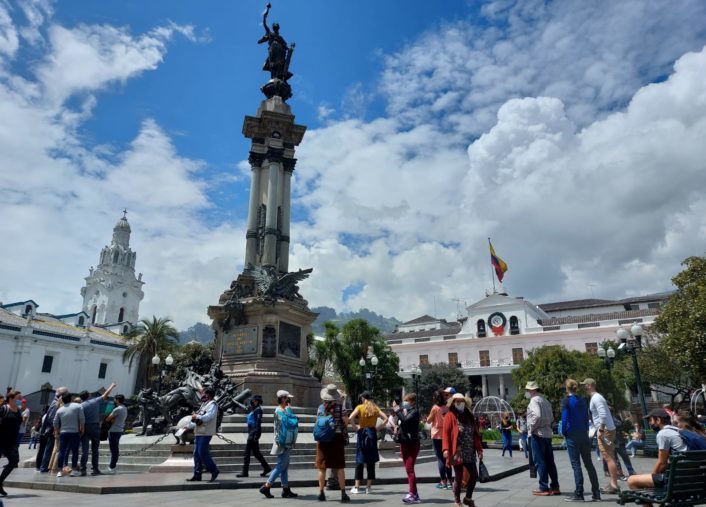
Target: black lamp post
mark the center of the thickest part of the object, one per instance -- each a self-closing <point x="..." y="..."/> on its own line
<point x="416" y="376"/>
<point x="608" y="356"/>
<point x="368" y="374"/>
<point x="631" y="346"/>
<point x="168" y="361"/>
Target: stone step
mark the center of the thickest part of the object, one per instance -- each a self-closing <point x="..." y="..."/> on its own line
<point x="266" y="418"/>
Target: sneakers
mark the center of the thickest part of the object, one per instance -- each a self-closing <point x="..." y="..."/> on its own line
<point x="609" y="490"/>
<point x="355" y="491"/>
<point x="96" y="472"/>
<point x="541" y="492"/>
<point x="441" y="485"/>
<point x="242" y="474"/>
<point x="111" y="471"/>
<point x="411" y="498"/>
<point x="59" y="474"/>
<point x="368" y="490"/>
<point x="573" y="498"/>
<point x="73" y="473"/>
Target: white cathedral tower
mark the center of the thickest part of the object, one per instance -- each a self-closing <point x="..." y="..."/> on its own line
<point x="112" y="293"/>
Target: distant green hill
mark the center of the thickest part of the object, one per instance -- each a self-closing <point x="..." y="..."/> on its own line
<point x="203" y="333"/>
<point x="384" y="324"/>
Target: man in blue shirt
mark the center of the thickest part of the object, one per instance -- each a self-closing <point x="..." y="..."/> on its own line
<point x="92" y="434"/>
<point x="253" y="444"/>
<point x="574" y="427"/>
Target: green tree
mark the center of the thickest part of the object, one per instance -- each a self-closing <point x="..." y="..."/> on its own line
<point x="551" y="365"/>
<point x="437" y="376"/>
<point x="149" y="337"/>
<point x="193" y="355"/>
<point x="661" y="371"/>
<point x="344" y="348"/>
<point x="322" y="353"/>
<point x="682" y="321"/>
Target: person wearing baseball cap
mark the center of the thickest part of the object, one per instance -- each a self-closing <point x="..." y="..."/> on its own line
<point x="252" y="446"/>
<point x="448" y="393"/>
<point x="668" y="441"/>
<point x="539" y="426"/>
<point x="605" y="432"/>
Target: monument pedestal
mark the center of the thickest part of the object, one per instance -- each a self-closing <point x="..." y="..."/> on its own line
<point x="263" y="345"/>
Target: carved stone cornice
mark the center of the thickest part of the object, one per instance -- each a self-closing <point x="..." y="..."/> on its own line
<point x="288" y="164"/>
<point x="270" y="230"/>
<point x="284" y="238"/>
<point x="252" y="233"/>
<point x="275" y="154"/>
<point x="256" y="159"/>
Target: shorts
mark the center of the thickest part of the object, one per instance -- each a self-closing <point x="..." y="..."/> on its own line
<point x="606" y="442"/>
<point x="660" y="480"/>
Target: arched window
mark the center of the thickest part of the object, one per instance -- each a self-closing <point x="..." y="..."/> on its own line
<point x="93" y="314"/>
<point x="481" y="328"/>
<point x="121" y="315"/>
<point x="28" y="310"/>
<point x="125" y="329"/>
<point x="81" y="321"/>
<point x="116" y="255"/>
<point x="514" y="325"/>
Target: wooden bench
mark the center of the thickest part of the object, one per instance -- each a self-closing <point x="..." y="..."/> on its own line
<point x="686" y="483"/>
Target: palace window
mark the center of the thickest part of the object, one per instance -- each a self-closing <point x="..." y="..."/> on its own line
<point x="484" y="356"/>
<point x="93" y="315"/>
<point x="121" y="315"/>
<point x="47" y="364"/>
<point x="518" y="355"/>
<point x="453" y="358"/>
<point x="81" y="321"/>
<point x="514" y="325"/>
<point x="102" y="369"/>
<point x="592" y="348"/>
<point x="481" y="328"/>
<point x="424" y="359"/>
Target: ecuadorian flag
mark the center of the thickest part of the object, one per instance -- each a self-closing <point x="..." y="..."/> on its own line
<point x="497" y="262"/>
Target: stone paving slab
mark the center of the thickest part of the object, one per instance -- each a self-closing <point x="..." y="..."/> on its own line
<point x="514" y="492"/>
<point x="498" y="467"/>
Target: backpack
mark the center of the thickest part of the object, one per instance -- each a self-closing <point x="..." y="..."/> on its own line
<point x="324" y="428"/>
<point x="693" y="441"/>
<point x="288" y="429"/>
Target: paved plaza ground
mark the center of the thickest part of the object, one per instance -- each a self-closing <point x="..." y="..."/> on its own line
<point x="514" y="490"/>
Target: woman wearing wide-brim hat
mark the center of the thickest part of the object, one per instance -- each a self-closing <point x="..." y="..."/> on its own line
<point x="332" y="454"/>
<point x="461" y="442"/>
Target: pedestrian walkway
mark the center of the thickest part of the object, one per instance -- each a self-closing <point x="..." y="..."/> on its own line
<point x="514" y="490"/>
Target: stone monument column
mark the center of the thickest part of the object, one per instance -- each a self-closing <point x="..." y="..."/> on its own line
<point x="261" y="321"/>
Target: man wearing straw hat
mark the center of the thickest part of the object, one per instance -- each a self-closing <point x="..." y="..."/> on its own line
<point x="539" y="427"/>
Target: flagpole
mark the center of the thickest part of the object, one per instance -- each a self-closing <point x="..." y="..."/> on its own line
<point x="492" y="269"/>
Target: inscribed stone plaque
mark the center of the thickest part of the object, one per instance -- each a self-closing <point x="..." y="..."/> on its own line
<point x="241" y="340"/>
<point x="289" y="340"/>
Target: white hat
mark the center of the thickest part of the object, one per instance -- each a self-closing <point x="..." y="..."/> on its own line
<point x="531" y="386"/>
<point x="282" y="393"/>
<point x="330" y="393"/>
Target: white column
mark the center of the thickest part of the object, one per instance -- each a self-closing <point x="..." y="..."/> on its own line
<point x="286" y="213"/>
<point x="502" y="386"/>
<point x="271" y="221"/>
<point x="484" y="385"/>
<point x="251" y="241"/>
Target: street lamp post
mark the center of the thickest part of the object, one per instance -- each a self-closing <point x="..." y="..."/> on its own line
<point x="416" y="376"/>
<point x="608" y="356"/>
<point x="368" y="374"/>
<point x="631" y="347"/>
<point x="169" y="360"/>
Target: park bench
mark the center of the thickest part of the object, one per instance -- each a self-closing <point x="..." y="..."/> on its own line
<point x="650" y="447"/>
<point x="686" y="483"/>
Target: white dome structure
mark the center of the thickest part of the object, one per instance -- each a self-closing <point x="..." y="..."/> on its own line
<point x="493" y="408"/>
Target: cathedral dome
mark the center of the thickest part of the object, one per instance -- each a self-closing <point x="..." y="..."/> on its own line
<point x="122" y="225"/>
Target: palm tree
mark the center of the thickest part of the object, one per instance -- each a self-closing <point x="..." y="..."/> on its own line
<point x="149" y="337"/>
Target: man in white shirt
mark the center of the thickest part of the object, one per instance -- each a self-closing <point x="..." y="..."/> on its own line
<point x="605" y="433"/>
<point x="539" y="426"/>
<point x="668" y="441"/>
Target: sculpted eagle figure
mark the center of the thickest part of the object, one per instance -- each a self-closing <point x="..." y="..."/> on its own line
<point x="271" y="286"/>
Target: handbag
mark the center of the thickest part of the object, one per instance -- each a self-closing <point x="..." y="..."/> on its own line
<point x="483" y="474"/>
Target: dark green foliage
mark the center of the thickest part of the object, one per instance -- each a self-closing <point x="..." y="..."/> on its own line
<point x="437" y="376"/>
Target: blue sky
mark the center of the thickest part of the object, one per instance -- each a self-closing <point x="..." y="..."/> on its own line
<point x="571" y="132"/>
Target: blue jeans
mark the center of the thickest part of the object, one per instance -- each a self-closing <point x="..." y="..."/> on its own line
<point x="445" y="474"/>
<point x="202" y="455"/>
<point x="507" y="441"/>
<point x="114" y="444"/>
<point x="579" y="447"/>
<point x="281" y="469"/>
<point x="544" y="462"/>
<point x="634" y="445"/>
<point x="48" y="450"/>
<point x="523" y="438"/>
<point x="68" y="442"/>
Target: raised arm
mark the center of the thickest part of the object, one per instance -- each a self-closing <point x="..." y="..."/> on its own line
<point x="264" y="22"/>
<point x="106" y="394"/>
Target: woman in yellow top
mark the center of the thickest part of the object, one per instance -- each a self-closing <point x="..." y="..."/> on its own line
<point x="366" y="447"/>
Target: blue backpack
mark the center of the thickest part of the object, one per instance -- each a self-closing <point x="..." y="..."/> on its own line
<point x="288" y="429"/>
<point x="693" y="441"/>
<point x="324" y="428"/>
